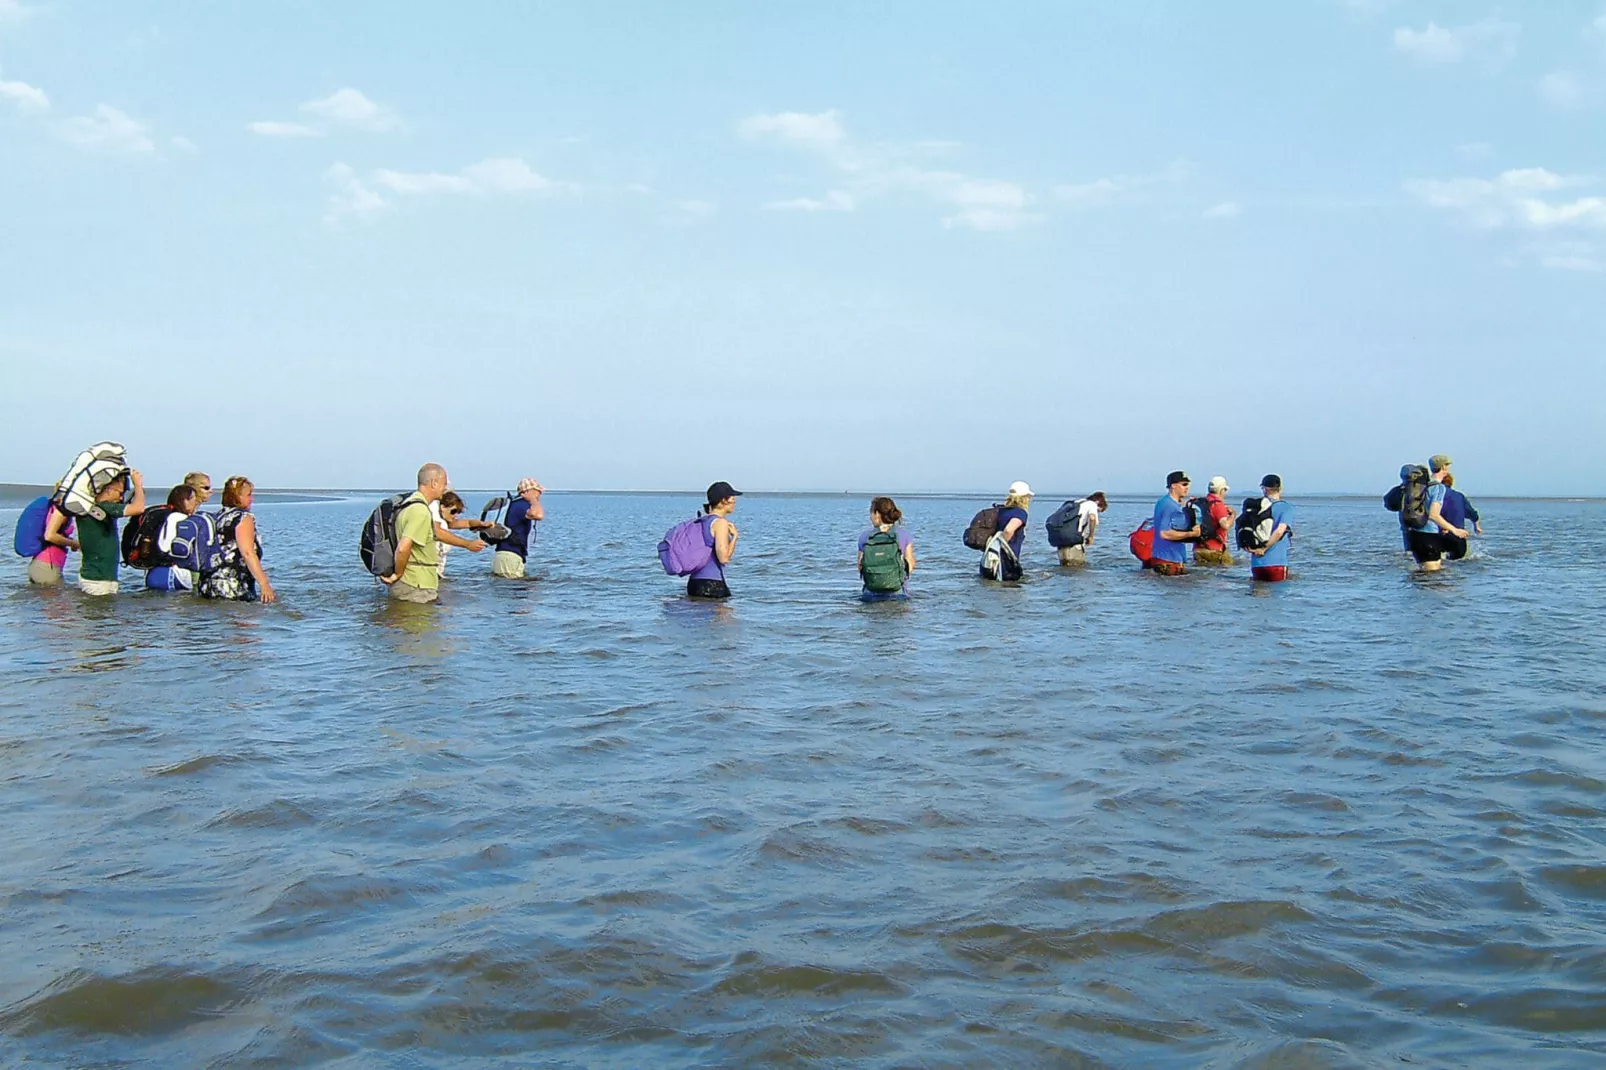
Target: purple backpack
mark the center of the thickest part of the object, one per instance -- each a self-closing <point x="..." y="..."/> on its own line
<point x="684" y="549"/>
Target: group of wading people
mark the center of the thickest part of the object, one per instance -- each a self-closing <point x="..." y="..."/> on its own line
<point x="1434" y="519"/>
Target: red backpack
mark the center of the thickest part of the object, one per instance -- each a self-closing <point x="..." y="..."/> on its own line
<point x="1142" y="542"/>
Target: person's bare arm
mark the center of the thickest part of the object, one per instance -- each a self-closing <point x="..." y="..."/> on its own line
<point x="137" y="505"/>
<point x="1010" y="528"/>
<point x="245" y="537"/>
<point x="442" y="535"/>
<point x="908" y="558"/>
<point x="1437" y="517"/>
<point x="404" y="554"/>
<point x="53" y="535"/>
<point x="724" y="533"/>
<point x="538" y="511"/>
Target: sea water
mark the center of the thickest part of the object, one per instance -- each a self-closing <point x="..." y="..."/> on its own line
<point x="1097" y="819"/>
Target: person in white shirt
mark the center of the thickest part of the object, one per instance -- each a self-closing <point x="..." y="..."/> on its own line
<point x="448" y="515"/>
<point x="1088" y="521"/>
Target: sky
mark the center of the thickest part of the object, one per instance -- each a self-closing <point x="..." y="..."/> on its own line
<point x="806" y="246"/>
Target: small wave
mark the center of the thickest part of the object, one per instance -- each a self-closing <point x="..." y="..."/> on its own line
<point x="149" y="1002"/>
<point x="1579" y="880"/>
<point x="199" y="765"/>
<point x="752" y="975"/>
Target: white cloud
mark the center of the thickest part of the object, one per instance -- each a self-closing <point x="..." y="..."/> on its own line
<point x="494" y="175"/>
<point x="364" y="198"/>
<point x="867" y="173"/>
<point x="107" y="130"/>
<point x="1105" y="190"/>
<point x="1224" y="210"/>
<point x="1571" y="256"/>
<point x="1566" y="90"/>
<point x="689" y="213"/>
<point x="352" y="108"/>
<point x="14" y="10"/>
<point x="834" y="201"/>
<point x="1490" y="39"/>
<point x="274" y="128"/>
<point x="1096" y="192"/>
<point x="24" y="97"/>
<point x="1529" y="199"/>
<point x="351" y="196"/>
<point x="822" y="132"/>
<point x="1532" y="200"/>
<point x="185" y="145"/>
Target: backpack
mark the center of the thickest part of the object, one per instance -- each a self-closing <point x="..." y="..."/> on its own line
<point x="683" y="549"/>
<point x="497" y="531"/>
<point x="92" y="471"/>
<point x="377" y="545"/>
<point x="983" y="526"/>
<point x="1198" y="512"/>
<point x="1410" y="498"/>
<point x="141" y="536"/>
<point x="1065" y="524"/>
<point x="197" y="543"/>
<point x="29" y="538"/>
<point x="882" y="569"/>
<point x="1141" y="542"/>
<point x="1255" y="524"/>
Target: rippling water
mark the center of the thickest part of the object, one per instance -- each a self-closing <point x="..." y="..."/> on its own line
<point x="1100" y="819"/>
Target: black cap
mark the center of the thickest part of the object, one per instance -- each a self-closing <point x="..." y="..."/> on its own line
<point x="1178" y="476"/>
<point x="1272" y="482"/>
<point x="720" y="491"/>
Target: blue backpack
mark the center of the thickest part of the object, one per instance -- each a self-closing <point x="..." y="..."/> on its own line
<point x="197" y="543"/>
<point x="29" y="538"/>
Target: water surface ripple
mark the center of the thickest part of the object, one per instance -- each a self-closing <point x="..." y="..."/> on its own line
<point x="1097" y="820"/>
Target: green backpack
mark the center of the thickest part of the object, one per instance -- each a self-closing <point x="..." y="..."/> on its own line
<point x="883" y="563"/>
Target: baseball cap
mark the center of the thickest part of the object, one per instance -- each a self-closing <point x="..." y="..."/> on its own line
<point x="1439" y="462"/>
<point x="1178" y="476"/>
<point x="1272" y="481"/>
<point x="718" y="492"/>
<point x="1020" y="489"/>
<point x="528" y="484"/>
<point x="1218" y="484"/>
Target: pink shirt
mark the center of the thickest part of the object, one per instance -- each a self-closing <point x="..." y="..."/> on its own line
<point x="53" y="554"/>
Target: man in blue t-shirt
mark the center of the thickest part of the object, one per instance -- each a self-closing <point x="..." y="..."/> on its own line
<point x="1436" y="537"/>
<point x="522" y="517"/>
<point x="1270" y="562"/>
<point x="1172" y="533"/>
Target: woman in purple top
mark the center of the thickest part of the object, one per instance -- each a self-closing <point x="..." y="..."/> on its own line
<point x="884" y="517"/>
<point x="720" y="535"/>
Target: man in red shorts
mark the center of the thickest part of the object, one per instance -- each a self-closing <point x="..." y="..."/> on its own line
<point x="1270" y="562"/>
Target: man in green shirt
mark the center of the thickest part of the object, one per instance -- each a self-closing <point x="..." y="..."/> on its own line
<point x="97" y="572"/>
<point x="416" y="579"/>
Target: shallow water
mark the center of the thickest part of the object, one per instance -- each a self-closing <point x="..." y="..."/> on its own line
<point x="1100" y="819"/>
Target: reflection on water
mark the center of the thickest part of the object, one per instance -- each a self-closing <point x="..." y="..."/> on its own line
<point x="1097" y="819"/>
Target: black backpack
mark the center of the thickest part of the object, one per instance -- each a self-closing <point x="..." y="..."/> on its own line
<point x="983" y="526"/>
<point x="139" y="539"/>
<point x="1197" y="512"/>
<point x="1410" y="498"/>
<point x="1064" y="525"/>
<point x="1255" y="524"/>
<point x="377" y="545"/>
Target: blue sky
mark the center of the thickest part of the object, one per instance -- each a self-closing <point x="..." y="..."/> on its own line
<point x="806" y="246"/>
